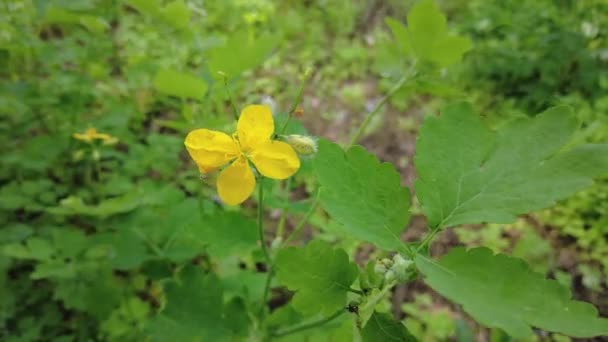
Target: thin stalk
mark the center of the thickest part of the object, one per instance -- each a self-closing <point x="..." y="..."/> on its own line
<point x="269" y="276"/>
<point x="296" y="101"/>
<point x="359" y="292"/>
<point x="229" y="96"/>
<point x="283" y="218"/>
<point x="300" y="226"/>
<point x="261" y="220"/>
<point x="264" y="248"/>
<point x="380" y="104"/>
<point x="427" y="239"/>
<point x="306" y="326"/>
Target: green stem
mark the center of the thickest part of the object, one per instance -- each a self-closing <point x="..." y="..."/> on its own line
<point x="305" y="326"/>
<point x="296" y="101"/>
<point x="300" y="226"/>
<point x="229" y="96"/>
<point x="261" y="220"/>
<point x="374" y="299"/>
<point x="427" y="239"/>
<point x="264" y="248"/>
<point x="269" y="276"/>
<point x="380" y="104"/>
<point x="283" y="219"/>
<point x="359" y="292"/>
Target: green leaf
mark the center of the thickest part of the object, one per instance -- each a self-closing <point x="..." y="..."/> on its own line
<point x="179" y="84"/>
<point x="320" y="275"/>
<point x="503" y="292"/>
<point x="55" y="15"/>
<point x="470" y="173"/>
<point x="147" y="7"/>
<point x="228" y="234"/>
<point x="363" y="194"/>
<point x="401" y="35"/>
<point x="383" y="327"/>
<point x="177" y="14"/>
<point x="240" y="53"/>
<point x="427" y="37"/>
<point x="73" y="205"/>
<point x="195" y="311"/>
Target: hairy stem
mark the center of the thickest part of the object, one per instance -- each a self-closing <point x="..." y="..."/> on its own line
<point x="380" y="104"/>
<point x="229" y="96"/>
<point x="300" y="226"/>
<point x="296" y="101"/>
<point x="264" y="248"/>
<point x="261" y="220"/>
<point x="284" y="211"/>
<point x="310" y="325"/>
<point x="427" y="239"/>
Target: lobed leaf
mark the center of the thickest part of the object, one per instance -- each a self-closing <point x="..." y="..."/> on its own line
<point x="320" y="274"/>
<point x="426" y="35"/>
<point x="469" y="173"/>
<point x="179" y="84"/>
<point x="195" y="311"/>
<point x="383" y="327"/>
<point x="503" y="292"/>
<point x="363" y="194"/>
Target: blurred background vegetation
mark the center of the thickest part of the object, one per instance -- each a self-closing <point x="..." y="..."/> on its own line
<point x="92" y="224"/>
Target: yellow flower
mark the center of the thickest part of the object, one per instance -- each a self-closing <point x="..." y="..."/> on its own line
<point x="251" y="143"/>
<point x="91" y="134"/>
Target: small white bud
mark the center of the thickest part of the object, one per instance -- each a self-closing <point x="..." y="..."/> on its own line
<point x="302" y="144"/>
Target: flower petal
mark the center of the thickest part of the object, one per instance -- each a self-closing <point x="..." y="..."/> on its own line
<point x="236" y="182"/>
<point x="211" y="149"/>
<point x="275" y="159"/>
<point x="255" y="126"/>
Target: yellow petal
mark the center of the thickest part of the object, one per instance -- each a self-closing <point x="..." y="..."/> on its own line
<point x="255" y="126"/>
<point x="236" y="182"/>
<point x="275" y="159"/>
<point x="211" y="149"/>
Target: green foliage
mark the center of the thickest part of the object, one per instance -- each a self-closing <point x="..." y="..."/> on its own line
<point x="195" y="311"/>
<point x="532" y="52"/>
<point x="362" y="194"/>
<point x="121" y="239"/>
<point x="320" y="274"/>
<point x="183" y="85"/>
<point x="470" y="173"/>
<point x="382" y="327"/>
<point x="426" y="35"/>
<point x="500" y="291"/>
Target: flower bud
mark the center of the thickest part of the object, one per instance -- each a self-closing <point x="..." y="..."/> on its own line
<point x="404" y="269"/>
<point x="302" y="144"/>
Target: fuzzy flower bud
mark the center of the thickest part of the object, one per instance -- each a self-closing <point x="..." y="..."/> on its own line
<point x="302" y="144"/>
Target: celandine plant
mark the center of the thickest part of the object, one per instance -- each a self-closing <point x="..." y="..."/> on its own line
<point x="467" y="173"/>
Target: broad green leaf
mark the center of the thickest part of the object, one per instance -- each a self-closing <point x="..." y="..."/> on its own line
<point x="174" y="229"/>
<point x="319" y="274"/>
<point x="240" y="53"/>
<point x="383" y="327"/>
<point x="55" y="15"/>
<point x="148" y="7"/>
<point x="469" y="173"/>
<point x="228" y="233"/>
<point x="177" y="14"/>
<point x="195" y="311"/>
<point x="73" y="205"/>
<point x="363" y="194"/>
<point x="426" y="35"/>
<point x="179" y="84"/>
<point x="503" y="292"/>
<point x="401" y="35"/>
<point x="35" y="248"/>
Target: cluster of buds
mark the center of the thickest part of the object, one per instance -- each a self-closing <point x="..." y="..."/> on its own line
<point x="398" y="268"/>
